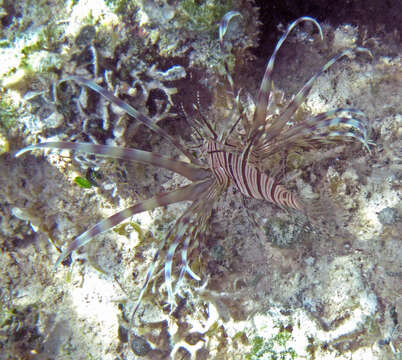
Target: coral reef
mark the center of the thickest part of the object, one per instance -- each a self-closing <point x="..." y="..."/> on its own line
<point x="295" y="294"/>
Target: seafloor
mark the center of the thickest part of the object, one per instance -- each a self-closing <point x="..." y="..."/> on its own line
<point x="333" y="291"/>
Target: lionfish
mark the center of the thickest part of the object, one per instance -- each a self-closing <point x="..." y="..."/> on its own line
<point x="228" y="160"/>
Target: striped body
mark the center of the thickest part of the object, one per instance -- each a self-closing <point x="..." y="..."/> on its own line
<point x="228" y="167"/>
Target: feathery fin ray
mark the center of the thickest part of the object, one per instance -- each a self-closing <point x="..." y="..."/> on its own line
<point x="190" y="171"/>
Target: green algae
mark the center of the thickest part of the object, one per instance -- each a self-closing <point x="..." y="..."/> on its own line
<point x="204" y="15"/>
<point x="274" y="348"/>
<point x="8" y="116"/>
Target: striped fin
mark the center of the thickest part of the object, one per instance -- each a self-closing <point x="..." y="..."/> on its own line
<point x="132" y="112"/>
<point x="184" y="226"/>
<point x="317" y="128"/>
<point x="344" y="134"/>
<point x="203" y="211"/>
<point x="333" y="116"/>
<point x="224" y="23"/>
<point x="169" y="256"/>
<point x="190" y="171"/>
<point x="300" y="97"/>
<point x="191" y="224"/>
<point x="189" y="192"/>
<point x="185" y="268"/>
<point x="151" y="271"/>
<point x="264" y="92"/>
